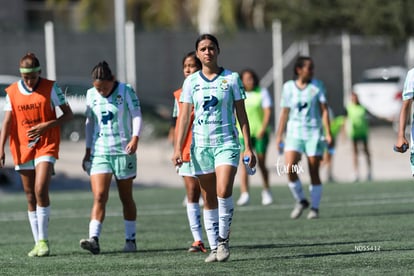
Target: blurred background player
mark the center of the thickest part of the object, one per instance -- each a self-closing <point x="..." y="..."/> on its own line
<point x="357" y="129"/>
<point x="113" y="127"/>
<point x="304" y="111"/>
<point x="190" y="64"/>
<point x="336" y="125"/>
<point x="259" y="109"/>
<point x="218" y="96"/>
<point x="34" y="144"/>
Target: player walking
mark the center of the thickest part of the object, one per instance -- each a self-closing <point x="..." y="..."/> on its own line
<point x="215" y="94"/>
<point x="191" y="64"/>
<point x="304" y="111"/>
<point x="113" y="126"/>
<point x="30" y="122"/>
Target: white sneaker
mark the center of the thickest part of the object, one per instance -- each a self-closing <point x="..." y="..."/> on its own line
<point x="313" y="214"/>
<point x="267" y="197"/>
<point x="200" y="201"/>
<point x="298" y="209"/>
<point x="243" y="199"/>
<point x="223" y="252"/>
<point x="212" y="257"/>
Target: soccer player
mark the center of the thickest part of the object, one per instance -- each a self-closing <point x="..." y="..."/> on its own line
<point x="217" y="95"/>
<point x="357" y="128"/>
<point x="304" y="111"/>
<point x="407" y="96"/>
<point x="113" y="125"/>
<point x="31" y="123"/>
<point x="191" y="64"/>
<point x="258" y="108"/>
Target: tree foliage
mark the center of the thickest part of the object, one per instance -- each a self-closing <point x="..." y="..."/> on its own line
<point x="394" y="19"/>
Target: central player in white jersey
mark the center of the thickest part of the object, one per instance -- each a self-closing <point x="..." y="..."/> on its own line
<point x="216" y="94"/>
<point x="112" y="132"/>
<point x="305" y="111"/>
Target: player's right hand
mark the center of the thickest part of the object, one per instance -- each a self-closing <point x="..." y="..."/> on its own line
<point x="402" y="145"/>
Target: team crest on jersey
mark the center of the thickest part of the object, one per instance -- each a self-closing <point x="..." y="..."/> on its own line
<point x="119" y="100"/>
<point x="224" y="85"/>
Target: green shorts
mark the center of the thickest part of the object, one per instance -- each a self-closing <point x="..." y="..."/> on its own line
<point x="122" y="166"/>
<point x="31" y="165"/>
<point x="206" y="159"/>
<point x="259" y="144"/>
<point x="360" y="138"/>
<point x="186" y="169"/>
<point x="311" y="147"/>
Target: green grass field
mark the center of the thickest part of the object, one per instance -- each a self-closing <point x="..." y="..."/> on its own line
<point x="364" y="228"/>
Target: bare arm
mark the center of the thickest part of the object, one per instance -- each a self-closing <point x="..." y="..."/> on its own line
<point x="245" y="129"/>
<point x="326" y="124"/>
<point x="267" y="112"/>
<point x="5" y="132"/>
<point x="183" y="122"/>
<point x="284" y="116"/>
<point x="38" y="130"/>
<point x="404" y="112"/>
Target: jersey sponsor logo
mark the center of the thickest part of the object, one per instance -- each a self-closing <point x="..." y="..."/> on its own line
<point x="25" y="107"/>
<point x="209" y="122"/>
<point x="196" y="87"/>
<point x="209" y="101"/>
<point x="107" y="116"/>
<point x="301" y="106"/>
<point x="29" y="123"/>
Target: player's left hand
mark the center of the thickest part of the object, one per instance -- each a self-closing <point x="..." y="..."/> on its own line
<point x="132" y="146"/>
<point x="329" y="140"/>
<point x="252" y="158"/>
<point x="37" y="130"/>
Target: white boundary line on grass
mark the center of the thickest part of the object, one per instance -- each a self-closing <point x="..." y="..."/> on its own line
<point x="167" y="210"/>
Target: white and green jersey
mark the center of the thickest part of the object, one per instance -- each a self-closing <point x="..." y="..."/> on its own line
<point x="214" y="122"/>
<point x="408" y="91"/>
<point x="111" y="118"/>
<point x="305" y="114"/>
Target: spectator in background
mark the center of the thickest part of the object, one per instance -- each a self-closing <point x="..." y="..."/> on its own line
<point x="357" y="129"/>
<point x="259" y="109"/>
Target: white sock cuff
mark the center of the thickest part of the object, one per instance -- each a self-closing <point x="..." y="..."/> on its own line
<point x="225" y="201"/>
<point x="193" y="205"/>
<point x="32" y="214"/>
<point x="43" y="210"/>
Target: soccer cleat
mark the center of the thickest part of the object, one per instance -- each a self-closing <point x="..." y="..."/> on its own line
<point x="313" y="213"/>
<point x="43" y="248"/>
<point x="91" y="244"/>
<point x="299" y="207"/>
<point x="243" y="199"/>
<point x="223" y="252"/>
<point x="212" y="257"/>
<point x="197" y="246"/>
<point x="33" y="252"/>
<point x="267" y="197"/>
<point x="130" y="246"/>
